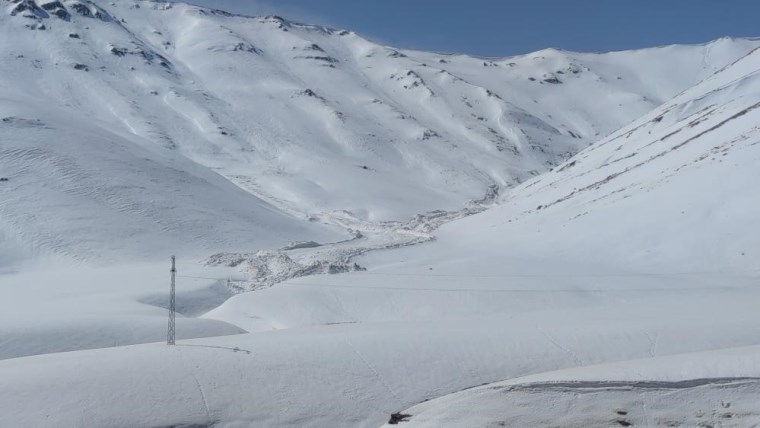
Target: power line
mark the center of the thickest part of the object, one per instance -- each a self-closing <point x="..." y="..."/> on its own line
<point x="525" y="290"/>
<point x="529" y="275"/>
<point x="202" y="277"/>
<point x="561" y="275"/>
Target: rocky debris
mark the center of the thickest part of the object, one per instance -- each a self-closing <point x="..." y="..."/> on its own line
<point x="492" y="94"/>
<point x="281" y="23"/>
<point x="392" y="53"/>
<point x="310" y="93"/>
<point x="314" y="47"/>
<point x="119" y="51"/>
<point x="246" y="47"/>
<point x="207" y="12"/>
<point x="327" y="60"/>
<point x="269" y="267"/>
<point x="428" y="134"/>
<point x="21" y="122"/>
<point x="410" y="80"/>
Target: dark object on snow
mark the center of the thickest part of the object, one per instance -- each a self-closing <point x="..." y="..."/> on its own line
<point x="73" y="35"/>
<point x="553" y="80"/>
<point x="398" y="417"/>
<point x="81" y="67"/>
<point x="119" y="51"/>
<point x="4" y="179"/>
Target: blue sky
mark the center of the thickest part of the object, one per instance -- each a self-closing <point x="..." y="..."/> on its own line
<point x="509" y="27"/>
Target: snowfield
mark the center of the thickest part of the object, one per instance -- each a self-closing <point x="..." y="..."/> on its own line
<point x="361" y="229"/>
<point x="718" y="389"/>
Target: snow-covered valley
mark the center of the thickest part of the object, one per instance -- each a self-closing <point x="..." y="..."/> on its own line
<point x="362" y="228"/>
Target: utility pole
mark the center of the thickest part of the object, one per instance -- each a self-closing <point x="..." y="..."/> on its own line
<point x="172" y="306"/>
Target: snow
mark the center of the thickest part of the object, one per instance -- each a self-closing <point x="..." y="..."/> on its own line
<point x="492" y="218"/>
<point x="262" y="107"/>
<point x="717" y="388"/>
<point x="64" y="308"/>
<point x="78" y="191"/>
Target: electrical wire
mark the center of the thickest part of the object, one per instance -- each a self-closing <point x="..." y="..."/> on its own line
<point x="296" y="283"/>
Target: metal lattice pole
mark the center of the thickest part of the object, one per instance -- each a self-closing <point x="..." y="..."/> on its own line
<point x="172" y="306"/>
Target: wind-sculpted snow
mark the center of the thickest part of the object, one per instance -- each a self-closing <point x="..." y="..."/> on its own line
<point x="77" y="191"/>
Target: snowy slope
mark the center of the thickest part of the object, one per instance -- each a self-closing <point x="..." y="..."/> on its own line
<point x="717" y="388"/>
<point x="664" y="202"/>
<point x="78" y="190"/>
<point x="312" y="120"/>
<point x="643" y="246"/>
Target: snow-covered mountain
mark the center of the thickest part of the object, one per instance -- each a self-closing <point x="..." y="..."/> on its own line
<point x="322" y="124"/>
<point x="132" y="129"/>
<point x="643" y="245"/>
<point x="665" y="200"/>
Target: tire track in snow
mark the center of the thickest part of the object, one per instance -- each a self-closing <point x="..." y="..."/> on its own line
<point x="183" y="361"/>
<point x="556" y="344"/>
<point x="372" y="369"/>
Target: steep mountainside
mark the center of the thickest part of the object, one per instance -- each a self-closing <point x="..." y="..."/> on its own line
<point x="321" y="123"/>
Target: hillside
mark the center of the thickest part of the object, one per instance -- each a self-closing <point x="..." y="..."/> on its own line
<point x="664" y="200"/>
<point x="320" y="123"/>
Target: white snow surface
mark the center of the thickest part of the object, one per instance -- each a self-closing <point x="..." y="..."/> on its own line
<point x="717" y="388"/>
<point x="131" y="130"/>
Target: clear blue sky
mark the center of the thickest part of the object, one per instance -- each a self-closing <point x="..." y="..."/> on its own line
<point x="509" y="27"/>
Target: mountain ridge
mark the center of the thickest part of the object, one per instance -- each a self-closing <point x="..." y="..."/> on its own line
<point x="322" y="123"/>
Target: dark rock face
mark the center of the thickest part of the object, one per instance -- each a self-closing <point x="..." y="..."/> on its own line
<point x="57" y="9"/>
<point x="45" y="9"/>
<point x="28" y="9"/>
